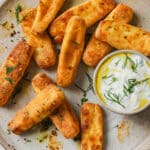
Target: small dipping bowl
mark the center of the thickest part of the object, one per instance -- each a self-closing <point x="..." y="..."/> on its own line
<point x="128" y="88"/>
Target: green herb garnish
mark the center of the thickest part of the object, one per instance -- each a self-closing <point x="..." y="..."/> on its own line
<point x="113" y="79"/>
<point x="8" y="132"/>
<point x="128" y="87"/>
<point x="18" y="10"/>
<point x="90" y="86"/>
<point x="9" y="80"/>
<point x="113" y="97"/>
<point x="83" y="100"/>
<point x="84" y="91"/>
<point x="117" y="62"/>
<point x="9" y="69"/>
<point x="75" y="43"/>
<point x="106" y="77"/>
<point x="23" y="18"/>
<point x="132" y="63"/>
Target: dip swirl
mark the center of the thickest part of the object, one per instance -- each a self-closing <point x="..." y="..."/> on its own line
<point x="123" y="82"/>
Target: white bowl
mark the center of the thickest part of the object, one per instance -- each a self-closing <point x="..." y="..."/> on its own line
<point x="105" y="106"/>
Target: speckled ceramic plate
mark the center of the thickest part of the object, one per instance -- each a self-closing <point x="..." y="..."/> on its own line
<point x="121" y="132"/>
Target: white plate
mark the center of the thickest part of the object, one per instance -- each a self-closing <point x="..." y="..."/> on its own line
<point x="137" y="126"/>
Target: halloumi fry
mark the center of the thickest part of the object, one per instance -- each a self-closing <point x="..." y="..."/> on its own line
<point x="46" y="12"/>
<point x="64" y="117"/>
<point x="91" y="11"/>
<point x="91" y="127"/>
<point x="124" y="36"/>
<point x="97" y="49"/>
<point x="13" y="69"/>
<point x="44" y="54"/>
<point x="39" y="108"/>
<point x="71" y="51"/>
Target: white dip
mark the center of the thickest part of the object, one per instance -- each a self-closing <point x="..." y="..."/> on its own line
<point x="123" y="82"/>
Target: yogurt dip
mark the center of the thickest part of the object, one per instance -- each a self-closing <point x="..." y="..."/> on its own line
<point x="122" y="82"/>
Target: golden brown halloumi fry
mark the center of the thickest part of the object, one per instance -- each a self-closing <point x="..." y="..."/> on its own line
<point x="91" y="11"/>
<point x="97" y="49"/>
<point x="13" y="69"/>
<point x="39" y="108"/>
<point x="124" y="36"/>
<point x="71" y="51"/>
<point x="46" y="12"/>
<point x="91" y="127"/>
<point x="44" y="54"/>
<point x="64" y="117"/>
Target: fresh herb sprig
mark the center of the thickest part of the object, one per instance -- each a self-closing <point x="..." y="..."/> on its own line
<point x="111" y="77"/>
<point x="117" y="62"/>
<point x="9" y="69"/>
<point x="11" y="81"/>
<point x="84" y="91"/>
<point x="128" y="87"/>
<point x="132" y="63"/>
<point x="18" y="10"/>
<point x="106" y="77"/>
<point x="113" y="97"/>
<point x="75" y="43"/>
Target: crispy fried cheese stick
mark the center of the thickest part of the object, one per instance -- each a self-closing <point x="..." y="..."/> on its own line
<point x="71" y="51"/>
<point x="124" y="36"/>
<point x="97" y="49"/>
<point x="91" y="11"/>
<point x="39" y="108"/>
<point x="64" y="117"/>
<point x="91" y="127"/>
<point x="44" y="54"/>
<point x="13" y="69"/>
<point x="46" y="12"/>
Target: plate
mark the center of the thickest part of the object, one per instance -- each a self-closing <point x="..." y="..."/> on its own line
<point x="120" y="132"/>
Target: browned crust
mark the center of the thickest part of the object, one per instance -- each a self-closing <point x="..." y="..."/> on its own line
<point x="18" y="60"/>
<point x="46" y="12"/>
<point x="64" y="117"/>
<point x="91" y="127"/>
<point x="97" y="49"/>
<point x="71" y="51"/>
<point x="124" y="36"/>
<point x="39" y="108"/>
<point x="91" y="11"/>
<point x="44" y="54"/>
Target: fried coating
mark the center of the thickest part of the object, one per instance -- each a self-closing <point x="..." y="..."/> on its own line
<point x="91" y="11"/>
<point x="91" y="127"/>
<point x="39" y="108"/>
<point x="46" y="12"/>
<point x="97" y="49"/>
<point x="124" y="36"/>
<point x="64" y="117"/>
<point x="71" y="51"/>
<point x="44" y="54"/>
<point x="13" y="69"/>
